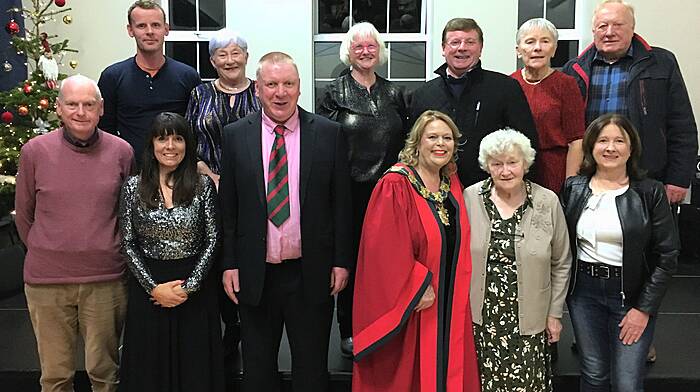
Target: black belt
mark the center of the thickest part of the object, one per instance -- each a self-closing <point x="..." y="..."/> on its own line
<point x="285" y="262"/>
<point x="598" y="270"/>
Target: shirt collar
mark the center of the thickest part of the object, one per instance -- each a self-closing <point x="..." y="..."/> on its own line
<point x="291" y="124"/>
<point x="81" y="143"/>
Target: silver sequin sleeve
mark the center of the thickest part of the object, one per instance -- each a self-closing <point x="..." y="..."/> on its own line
<point x="169" y="234"/>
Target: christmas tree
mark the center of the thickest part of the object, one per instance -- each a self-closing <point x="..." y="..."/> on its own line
<point x="28" y="109"/>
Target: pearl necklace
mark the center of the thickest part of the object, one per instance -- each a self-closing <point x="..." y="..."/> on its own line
<point x="230" y="90"/>
<point x="522" y="72"/>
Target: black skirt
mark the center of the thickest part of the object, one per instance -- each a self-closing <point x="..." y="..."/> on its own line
<point x="172" y="349"/>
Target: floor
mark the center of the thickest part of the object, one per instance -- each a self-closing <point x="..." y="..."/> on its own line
<point x="677" y="341"/>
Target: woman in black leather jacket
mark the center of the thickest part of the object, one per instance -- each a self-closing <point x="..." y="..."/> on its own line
<point x="621" y="266"/>
<point x="373" y="114"/>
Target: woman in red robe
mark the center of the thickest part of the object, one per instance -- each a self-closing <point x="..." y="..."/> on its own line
<point x="412" y="327"/>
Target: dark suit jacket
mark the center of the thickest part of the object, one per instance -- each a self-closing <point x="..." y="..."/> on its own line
<point x="324" y="183"/>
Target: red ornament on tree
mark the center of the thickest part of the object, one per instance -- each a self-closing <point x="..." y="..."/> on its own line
<point x="12" y="27"/>
<point x="27" y="88"/>
<point x="7" y="117"/>
<point x="23" y="110"/>
<point x="60" y="3"/>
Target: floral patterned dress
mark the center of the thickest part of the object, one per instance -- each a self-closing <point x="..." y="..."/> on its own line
<point x="508" y="361"/>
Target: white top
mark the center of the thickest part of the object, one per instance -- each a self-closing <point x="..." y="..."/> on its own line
<point x="598" y="230"/>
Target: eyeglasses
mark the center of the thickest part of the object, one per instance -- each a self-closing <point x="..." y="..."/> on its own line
<point x="457" y="43"/>
<point x="357" y="49"/>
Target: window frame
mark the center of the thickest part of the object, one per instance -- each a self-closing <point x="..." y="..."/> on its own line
<point x="579" y="32"/>
<point x="195" y="36"/>
<point x="388" y="38"/>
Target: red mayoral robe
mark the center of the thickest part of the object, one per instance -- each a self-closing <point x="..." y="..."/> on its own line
<point x="402" y="251"/>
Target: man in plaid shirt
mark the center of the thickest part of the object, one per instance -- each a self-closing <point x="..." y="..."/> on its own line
<point x="621" y="73"/>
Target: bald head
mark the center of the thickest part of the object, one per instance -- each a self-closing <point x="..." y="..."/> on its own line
<point x="80" y="82"/>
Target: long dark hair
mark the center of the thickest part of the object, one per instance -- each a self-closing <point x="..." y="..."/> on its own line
<point x="184" y="178"/>
<point x="589" y="165"/>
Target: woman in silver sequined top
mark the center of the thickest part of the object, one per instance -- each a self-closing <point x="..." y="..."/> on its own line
<point x="169" y="227"/>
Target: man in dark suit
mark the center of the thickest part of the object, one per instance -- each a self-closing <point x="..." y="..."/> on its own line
<point x="285" y="200"/>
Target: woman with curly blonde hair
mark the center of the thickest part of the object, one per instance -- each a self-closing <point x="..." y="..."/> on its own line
<point x="411" y="322"/>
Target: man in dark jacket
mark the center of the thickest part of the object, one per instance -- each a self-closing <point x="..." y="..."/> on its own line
<point x="477" y="100"/>
<point x="621" y="73"/>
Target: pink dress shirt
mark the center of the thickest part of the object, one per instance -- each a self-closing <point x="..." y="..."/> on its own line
<point x="284" y="242"/>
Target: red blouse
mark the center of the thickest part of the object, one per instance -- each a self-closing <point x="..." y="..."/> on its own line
<point x="558" y="110"/>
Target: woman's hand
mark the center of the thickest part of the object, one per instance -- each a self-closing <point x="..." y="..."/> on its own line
<point x="553" y="329"/>
<point x="632" y="326"/>
<point x="426" y="300"/>
<point x="202" y="168"/>
<point x="169" y="294"/>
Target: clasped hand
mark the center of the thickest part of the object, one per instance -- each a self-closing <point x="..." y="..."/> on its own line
<point x="169" y="294"/>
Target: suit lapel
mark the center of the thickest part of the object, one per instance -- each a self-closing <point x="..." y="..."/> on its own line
<point x="254" y="146"/>
<point x="307" y="144"/>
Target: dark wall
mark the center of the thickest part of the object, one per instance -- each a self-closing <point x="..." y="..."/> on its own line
<point x="7" y="52"/>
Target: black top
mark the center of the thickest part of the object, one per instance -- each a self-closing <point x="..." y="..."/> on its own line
<point x="132" y="98"/>
<point x="374" y="123"/>
<point x="489" y="101"/>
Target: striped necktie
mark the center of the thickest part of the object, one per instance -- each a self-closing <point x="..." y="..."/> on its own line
<point x="277" y="181"/>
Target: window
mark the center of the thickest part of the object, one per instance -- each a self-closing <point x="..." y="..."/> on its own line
<point x="401" y="23"/>
<point x="566" y="15"/>
<point x="191" y="22"/>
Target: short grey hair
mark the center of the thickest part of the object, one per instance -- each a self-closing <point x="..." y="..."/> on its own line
<point x="224" y="38"/>
<point x="504" y="141"/>
<point x="79" y="79"/>
<point x="361" y="30"/>
<point x="275" y="58"/>
<point x="603" y="3"/>
<point x="537" y="24"/>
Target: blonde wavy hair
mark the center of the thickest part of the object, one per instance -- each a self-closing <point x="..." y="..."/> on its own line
<point x="409" y="153"/>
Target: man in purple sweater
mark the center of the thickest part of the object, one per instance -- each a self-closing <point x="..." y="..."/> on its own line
<point x="67" y="196"/>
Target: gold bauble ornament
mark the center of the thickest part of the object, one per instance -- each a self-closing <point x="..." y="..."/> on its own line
<point x="23" y="110"/>
<point x="43" y="103"/>
<point x="73" y="64"/>
<point x="67" y="19"/>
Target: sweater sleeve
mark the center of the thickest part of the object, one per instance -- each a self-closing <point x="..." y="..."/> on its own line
<point x="25" y="193"/>
<point x="573" y="116"/>
<point x="561" y="260"/>
<point x="517" y="113"/>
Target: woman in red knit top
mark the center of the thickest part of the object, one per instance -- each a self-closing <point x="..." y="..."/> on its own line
<point x="555" y="102"/>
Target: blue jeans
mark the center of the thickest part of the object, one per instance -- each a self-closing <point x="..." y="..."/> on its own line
<point x="596" y="309"/>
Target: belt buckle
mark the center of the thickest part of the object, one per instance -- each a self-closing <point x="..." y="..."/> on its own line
<point x="605" y="268"/>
